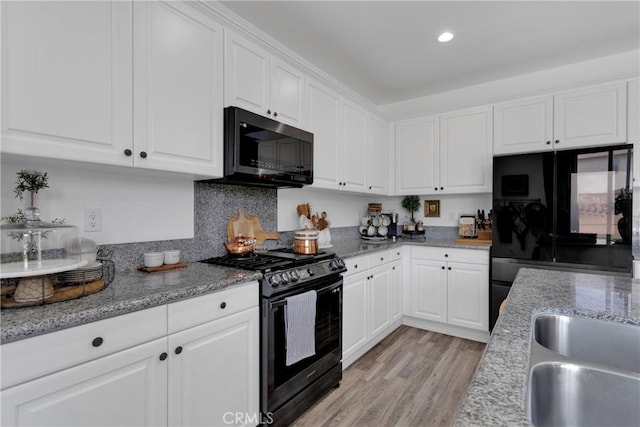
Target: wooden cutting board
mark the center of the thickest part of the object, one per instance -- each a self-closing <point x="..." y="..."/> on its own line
<point x="251" y="223"/>
<point x="240" y="225"/>
<point x="468" y="241"/>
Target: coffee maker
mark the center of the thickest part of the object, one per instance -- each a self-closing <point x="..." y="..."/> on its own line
<point x="395" y="228"/>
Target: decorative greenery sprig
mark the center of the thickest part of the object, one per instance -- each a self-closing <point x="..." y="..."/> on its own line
<point x="31" y="181"/>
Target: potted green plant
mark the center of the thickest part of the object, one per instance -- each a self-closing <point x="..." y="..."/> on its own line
<point x="412" y="204"/>
<point x="623" y="205"/>
<point x="31" y="181"/>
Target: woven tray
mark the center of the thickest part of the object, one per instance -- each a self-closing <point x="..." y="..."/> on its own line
<point x="61" y="293"/>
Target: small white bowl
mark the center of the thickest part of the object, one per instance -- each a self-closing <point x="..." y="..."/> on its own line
<point x="153" y="259"/>
<point x="172" y="257"/>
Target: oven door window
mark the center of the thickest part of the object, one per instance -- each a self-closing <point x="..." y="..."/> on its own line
<point x="327" y="332"/>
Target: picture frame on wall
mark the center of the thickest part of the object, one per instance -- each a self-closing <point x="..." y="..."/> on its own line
<point x="432" y="208"/>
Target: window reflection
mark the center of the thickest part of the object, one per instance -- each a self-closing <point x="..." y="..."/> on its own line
<point x="598" y="179"/>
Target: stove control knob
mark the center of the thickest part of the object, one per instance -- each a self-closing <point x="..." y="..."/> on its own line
<point x="285" y="278"/>
<point x="311" y="273"/>
<point x="275" y="280"/>
<point x="294" y="276"/>
<point x="333" y="265"/>
<point x="341" y="263"/>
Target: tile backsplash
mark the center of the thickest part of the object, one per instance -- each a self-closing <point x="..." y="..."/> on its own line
<point x="214" y="205"/>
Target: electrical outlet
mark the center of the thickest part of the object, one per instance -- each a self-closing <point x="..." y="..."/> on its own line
<point x="92" y="220"/>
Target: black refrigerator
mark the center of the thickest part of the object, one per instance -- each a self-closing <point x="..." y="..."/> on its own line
<point x="567" y="210"/>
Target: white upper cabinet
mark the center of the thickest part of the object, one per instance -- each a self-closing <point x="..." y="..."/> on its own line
<point x="354" y="147"/>
<point x="591" y="116"/>
<point x="417" y="154"/>
<point x="323" y="120"/>
<point x="177" y="89"/>
<point x="633" y="125"/>
<point x="465" y="151"/>
<point x="379" y="156"/>
<point x="66" y="80"/>
<point x="77" y="74"/>
<point x="445" y="154"/>
<point x="260" y="82"/>
<point x="339" y="129"/>
<point x="523" y="126"/>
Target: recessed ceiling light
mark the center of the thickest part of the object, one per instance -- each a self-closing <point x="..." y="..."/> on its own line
<point x="445" y="37"/>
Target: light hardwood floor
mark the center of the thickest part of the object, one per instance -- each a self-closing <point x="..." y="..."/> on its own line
<point x="411" y="378"/>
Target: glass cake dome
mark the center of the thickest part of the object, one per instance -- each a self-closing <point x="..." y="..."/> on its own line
<point x="33" y="247"/>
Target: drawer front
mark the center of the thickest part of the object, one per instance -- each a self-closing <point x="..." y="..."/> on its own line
<point x="34" y="357"/>
<point x="196" y="311"/>
<point x="471" y="256"/>
<point x="396" y="254"/>
<point x="379" y="258"/>
<point x="356" y="265"/>
<point x="451" y="254"/>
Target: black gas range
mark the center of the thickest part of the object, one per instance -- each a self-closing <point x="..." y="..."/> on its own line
<point x="287" y="389"/>
<point x="284" y="270"/>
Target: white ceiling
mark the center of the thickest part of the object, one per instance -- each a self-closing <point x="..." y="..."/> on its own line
<point x="387" y="50"/>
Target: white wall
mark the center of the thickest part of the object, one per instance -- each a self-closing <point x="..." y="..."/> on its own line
<point x="344" y="210"/>
<point x="136" y="206"/>
<point x="621" y="66"/>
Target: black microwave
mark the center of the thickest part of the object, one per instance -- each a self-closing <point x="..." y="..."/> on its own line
<point x="259" y="151"/>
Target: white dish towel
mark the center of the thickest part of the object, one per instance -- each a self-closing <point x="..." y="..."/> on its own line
<point x="300" y="326"/>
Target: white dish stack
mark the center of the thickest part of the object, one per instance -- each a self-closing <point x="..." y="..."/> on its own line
<point x="374" y="225"/>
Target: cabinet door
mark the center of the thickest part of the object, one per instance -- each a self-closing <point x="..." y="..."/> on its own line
<point x="429" y="289"/>
<point x="466" y="141"/>
<point x="396" y="290"/>
<point x="417" y="154"/>
<point x="66" y="80"/>
<point x="128" y="388"/>
<point x="178" y="89"/>
<point x="380" y="283"/>
<point x="591" y="116"/>
<point x="287" y="90"/>
<point x="633" y="125"/>
<point x="323" y="120"/>
<point x="468" y="295"/>
<point x="246" y="74"/>
<point x="354" y="147"/>
<point x="379" y="153"/>
<point x="214" y="370"/>
<point x="354" y="313"/>
<point x="523" y="126"/>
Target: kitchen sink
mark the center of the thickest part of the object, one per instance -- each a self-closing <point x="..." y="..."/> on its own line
<point x="612" y="344"/>
<point x="565" y="394"/>
<point x="583" y="372"/>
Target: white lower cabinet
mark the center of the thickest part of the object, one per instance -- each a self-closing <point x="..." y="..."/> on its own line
<point x="127" y="371"/>
<point x="354" y="314"/>
<point x="214" y="372"/>
<point x="371" y="302"/>
<point x="106" y="373"/>
<point x="125" y="388"/>
<point x="451" y="287"/>
<point x="214" y="358"/>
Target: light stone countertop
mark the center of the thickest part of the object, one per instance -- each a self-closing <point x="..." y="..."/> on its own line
<point x="352" y="248"/>
<point x="129" y="292"/>
<point x="134" y="290"/>
<point x="496" y="396"/>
